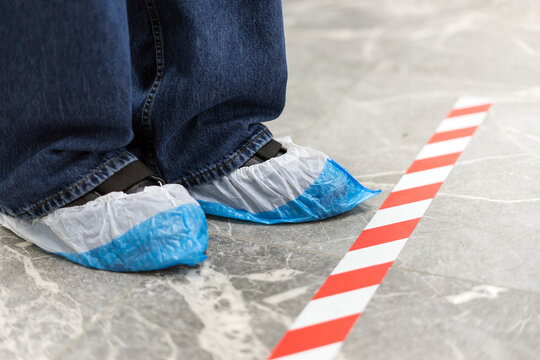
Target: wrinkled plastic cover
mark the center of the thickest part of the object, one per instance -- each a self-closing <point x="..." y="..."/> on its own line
<point x="301" y="185"/>
<point x="265" y="186"/>
<point x="159" y="227"/>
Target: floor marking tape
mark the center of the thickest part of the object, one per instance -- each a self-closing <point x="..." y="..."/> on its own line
<point x="321" y="328"/>
<point x="370" y="256"/>
<point x="461" y="122"/>
<point x="444" y="148"/>
<point x="423" y="177"/>
<point x="433" y="163"/>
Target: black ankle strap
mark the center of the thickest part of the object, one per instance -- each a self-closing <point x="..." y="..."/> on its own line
<point x="124" y="179"/>
<point x="272" y="149"/>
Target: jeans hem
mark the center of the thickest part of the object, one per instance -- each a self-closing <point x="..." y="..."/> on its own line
<point x="230" y="162"/>
<point x="79" y="187"/>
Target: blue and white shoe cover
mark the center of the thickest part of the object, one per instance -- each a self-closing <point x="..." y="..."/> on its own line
<point x="156" y="228"/>
<point x="301" y="185"/>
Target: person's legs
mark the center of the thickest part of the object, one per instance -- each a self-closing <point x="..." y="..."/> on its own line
<point x="66" y="119"/>
<point x="65" y="127"/>
<point x="220" y="71"/>
<point x="204" y="79"/>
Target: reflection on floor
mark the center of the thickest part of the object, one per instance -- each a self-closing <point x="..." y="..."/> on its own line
<point x="369" y="82"/>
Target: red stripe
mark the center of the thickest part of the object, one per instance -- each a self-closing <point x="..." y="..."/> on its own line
<point x="411" y="195"/>
<point x="352" y="280"/>
<point x="433" y="162"/>
<point x="313" y="336"/>
<point x="454" y="134"/>
<point x="384" y="234"/>
<point x="469" y="110"/>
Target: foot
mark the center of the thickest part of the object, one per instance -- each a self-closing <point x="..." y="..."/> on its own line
<point x="297" y="184"/>
<point x="129" y="223"/>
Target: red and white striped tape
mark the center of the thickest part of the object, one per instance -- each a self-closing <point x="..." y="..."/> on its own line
<point x="321" y="328"/>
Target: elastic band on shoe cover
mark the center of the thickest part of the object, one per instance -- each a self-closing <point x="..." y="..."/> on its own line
<point x="130" y="179"/>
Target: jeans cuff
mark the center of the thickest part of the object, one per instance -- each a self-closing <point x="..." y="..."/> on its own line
<point x="79" y="187"/>
<point x="231" y="161"/>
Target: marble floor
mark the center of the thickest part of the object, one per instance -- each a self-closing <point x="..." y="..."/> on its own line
<point x="369" y="82"/>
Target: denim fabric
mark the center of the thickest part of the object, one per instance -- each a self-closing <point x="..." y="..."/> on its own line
<point x="89" y="86"/>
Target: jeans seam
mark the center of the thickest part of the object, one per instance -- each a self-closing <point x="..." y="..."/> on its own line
<point x="82" y="182"/>
<point x="159" y="50"/>
<point x="228" y="161"/>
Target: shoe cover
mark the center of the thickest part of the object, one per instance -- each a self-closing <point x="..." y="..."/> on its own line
<point x="301" y="185"/>
<point x="156" y="228"/>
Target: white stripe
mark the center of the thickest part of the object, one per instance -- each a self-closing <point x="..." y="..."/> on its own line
<point x="421" y="178"/>
<point x="470" y="101"/>
<point x="326" y="352"/>
<point x="399" y="213"/>
<point x="443" y="148"/>
<point x="373" y="255"/>
<point x="334" y="307"/>
<point x="461" y="122"/>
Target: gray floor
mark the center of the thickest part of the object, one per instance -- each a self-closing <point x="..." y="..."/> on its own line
<point x="369" y="82"/>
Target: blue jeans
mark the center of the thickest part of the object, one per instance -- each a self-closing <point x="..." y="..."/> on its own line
<point x="89" y="86"/>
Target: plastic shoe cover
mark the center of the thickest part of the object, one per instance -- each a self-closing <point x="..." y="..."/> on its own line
<point x="156" y="228"/>
<point x="301" y="185"/>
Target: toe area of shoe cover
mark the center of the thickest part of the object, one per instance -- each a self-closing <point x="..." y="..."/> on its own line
<point x="154" y="229"/>
<point x="172" y="237"/>
<point x="300" y="186"/>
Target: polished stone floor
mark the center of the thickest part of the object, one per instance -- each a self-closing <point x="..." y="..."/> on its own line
<point x="369" y="82"/>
